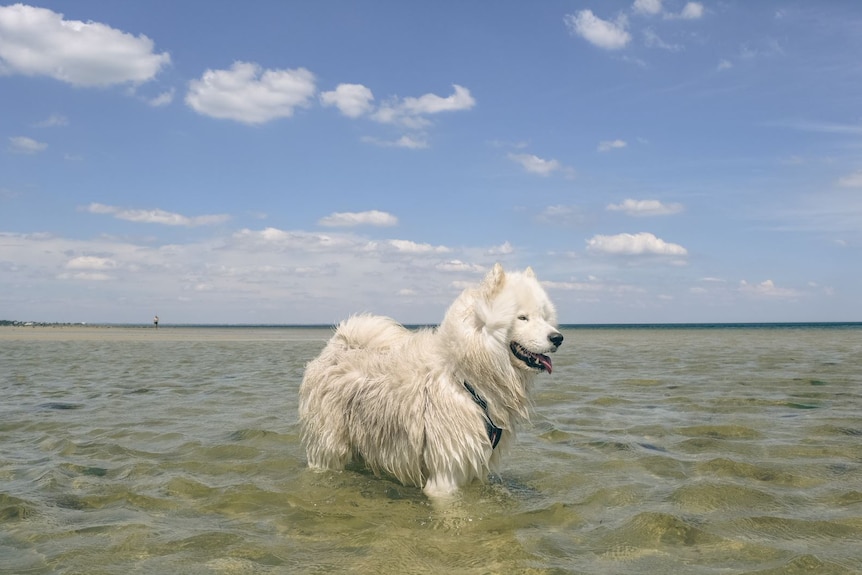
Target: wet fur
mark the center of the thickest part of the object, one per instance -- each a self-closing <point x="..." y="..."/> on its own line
<point x="395" y="398"/>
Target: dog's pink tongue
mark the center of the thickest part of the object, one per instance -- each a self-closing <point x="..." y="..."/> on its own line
<point x="545" y="361"/>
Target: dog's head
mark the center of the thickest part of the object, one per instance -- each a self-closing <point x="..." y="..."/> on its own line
<point x="516" y="311"/>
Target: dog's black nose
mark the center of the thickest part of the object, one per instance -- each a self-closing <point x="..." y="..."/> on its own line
<point x="556" y="338"/>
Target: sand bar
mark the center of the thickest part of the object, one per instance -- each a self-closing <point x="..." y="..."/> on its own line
<point x="149" y="333"/>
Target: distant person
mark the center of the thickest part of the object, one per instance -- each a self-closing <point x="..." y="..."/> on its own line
<point x="156" y="322"/>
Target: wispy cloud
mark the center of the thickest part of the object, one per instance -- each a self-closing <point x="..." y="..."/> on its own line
<point x="853" y="180"/>
<point x="54" y="120"/>
<point x="651" y="7"/>
<point x="409" y="141"/>
<point x="608" y="145"/>
<point x="691" y="11"/>
<point x="162" y="99"/>
<point x="645" y="208"/>
<point x="25" y="145"/>
<point x="156" y="216"/>
<point x="766" y="289"/>
<point x="540" y="166"/>
<point x="413" y="112"/>
<point x="352" y="219"/>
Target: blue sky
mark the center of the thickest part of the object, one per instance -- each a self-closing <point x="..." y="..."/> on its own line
<point x="296" y="162"/>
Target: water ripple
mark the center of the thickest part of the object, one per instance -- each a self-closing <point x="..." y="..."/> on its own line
<point x="664" y="451"/>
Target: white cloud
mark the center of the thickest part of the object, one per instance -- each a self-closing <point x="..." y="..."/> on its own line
<point x="503" y="249"/>
<point x="433" y="104"/>
<point x="820" y="127"/>
<point x="602" y="33"/>
<point x="643" y="243"/>
<point x="412" y="112"/>
<point x="350" y="219"/>
<point x="535" y="164"/>
<point x="724" y="65"/>
<point x="86" y="276"/>
<point x="156" y="216"/>
<point x="352" y="100"/>
<point x="247" y="93"/>
<point x="608" y="145"/>
<point x="410" y="247"/>
<point x="274" y="238"/>
<point x="651" y="7"/>
<point x="645" y="208"/>
<point x="162" y="99"/>
<point x="692" y="11"/>
<point x="853" y="180"/>
<point x="766" y="288"/>
<point x="412" y="142"/>
<point x="52" y="121"/>
<point x="562" y="215"/>
<point x="459" y="266"/>
<point x="653" y="40"/>
<point x="40" y="42"/>
<point x="91" y="263"/>
<point x="25" y="145"/>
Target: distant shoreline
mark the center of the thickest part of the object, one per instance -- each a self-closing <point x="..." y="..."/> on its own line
<point x="691" y="325"/>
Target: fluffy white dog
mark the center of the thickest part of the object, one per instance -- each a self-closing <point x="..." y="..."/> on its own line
<point x="433" y="408"/>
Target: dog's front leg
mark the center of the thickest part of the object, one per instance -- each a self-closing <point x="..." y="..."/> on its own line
<point x="440" y="487"/>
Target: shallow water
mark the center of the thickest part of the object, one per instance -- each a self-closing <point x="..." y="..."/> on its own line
<point x="651" y="451"/>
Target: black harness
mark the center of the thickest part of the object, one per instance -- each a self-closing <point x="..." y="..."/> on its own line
<point x="494" y="432"/>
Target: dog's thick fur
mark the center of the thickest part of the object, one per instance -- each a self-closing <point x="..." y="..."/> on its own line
<point x="396" y="399"/>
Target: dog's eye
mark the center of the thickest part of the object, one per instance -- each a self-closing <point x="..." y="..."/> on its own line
<point x="523" y="317"/>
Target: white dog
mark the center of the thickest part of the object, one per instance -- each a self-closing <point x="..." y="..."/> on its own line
<point x="432" y="408"/>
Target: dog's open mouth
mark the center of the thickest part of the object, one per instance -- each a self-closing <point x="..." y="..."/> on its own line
<point x="533" y="360"/>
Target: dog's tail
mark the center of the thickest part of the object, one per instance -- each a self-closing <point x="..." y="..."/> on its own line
<point x="366" y="331"/>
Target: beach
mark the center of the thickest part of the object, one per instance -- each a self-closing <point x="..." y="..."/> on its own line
<point x="650" y="450"/>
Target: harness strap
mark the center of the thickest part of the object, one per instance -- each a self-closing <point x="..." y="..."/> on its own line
<point x="494" y="432"/>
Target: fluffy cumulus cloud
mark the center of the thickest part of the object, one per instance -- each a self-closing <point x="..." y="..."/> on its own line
<point x="645" y="208"/>
<point x="643" y="243"/>
<point x="40" y="42"/>
<point x="601" y="33"/>
<point x="250" y="94"/>
<point x="351" y="219"/>
<point x="25" y="145"/>
<point x="156" y="216"/>
<point x="352" y="100"/>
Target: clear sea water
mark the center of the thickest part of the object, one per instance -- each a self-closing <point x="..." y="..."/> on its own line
<point x="692" y="449"/>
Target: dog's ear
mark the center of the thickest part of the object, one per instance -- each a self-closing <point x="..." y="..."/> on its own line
<point x="492" y="313"/>
<point x="529" y="273"/>
<point x="493" y="282"/>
